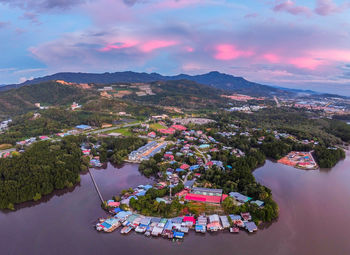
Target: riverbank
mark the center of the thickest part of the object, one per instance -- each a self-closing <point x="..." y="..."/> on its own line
<point x="67" y="220"/>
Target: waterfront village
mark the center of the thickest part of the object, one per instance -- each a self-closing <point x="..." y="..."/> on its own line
<point x="187" y="153"/>
<point x="186" y="157"/>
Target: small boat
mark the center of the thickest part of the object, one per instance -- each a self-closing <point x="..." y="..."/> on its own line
<point x="125" y="230"/>
<point x="234" y="230"/>
<point x="100" y="220"/>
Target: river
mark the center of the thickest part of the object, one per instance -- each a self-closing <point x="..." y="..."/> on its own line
<point x="314" y="218"/>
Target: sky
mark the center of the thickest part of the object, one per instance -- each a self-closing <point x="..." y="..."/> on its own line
<point x="288" y="43"/>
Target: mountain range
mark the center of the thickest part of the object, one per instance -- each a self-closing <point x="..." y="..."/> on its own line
<point x="215" y="79"/>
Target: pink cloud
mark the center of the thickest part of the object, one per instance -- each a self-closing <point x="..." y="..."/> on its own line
<point x="290" y="7"/>
<point x="333" y="55"/>
<point x="305" y="63"/>
<point x="189" y="49"/>
<point x="229" y="52"/>
<point x="327" y="7"/>
<point x="156" y="44"/>
<point x="117" y="46"/>
<point x="273" y="58"/>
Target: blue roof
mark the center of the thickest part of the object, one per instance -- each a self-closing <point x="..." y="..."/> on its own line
<point x="178" y="234"/>
<point x="235" y="217"/>
<point x="123" y="214"/>
<point x="257" y="202"/>
<point x="117" y="210"/>
<point x="179" y="170"/>
<point x="168" y="225"/>
<point x="250" y="226"/>
<point x="176" y="220"/>
<point x="240" y="197"/>
<point x="106" y="225"/>
<point x="159" y="199"/>
<point x="83" y="127"/>
<point x="194" y="167"/>
<point x="147" y="187"/>
<point x="141" y="193"/>
<point x="199" y="227"/>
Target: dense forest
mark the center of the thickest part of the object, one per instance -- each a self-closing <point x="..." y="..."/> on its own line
<point x="328" y="157"/>
<point x="184" y="94"/>
<point x="41" y="169"/>
<point x="117" y="149"/>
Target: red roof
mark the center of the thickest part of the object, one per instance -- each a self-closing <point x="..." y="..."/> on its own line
<point x="167" y="131"/>
<point x="182" y="193"/>
<point x="152" y="134"/>
<point x="114" y="204"/>
<point x="190" y="219"/>
<point x="179" y="127"/>
<point x="185" y="166"/>
<point x="203" y="198"/>
<point x="209" y="163"/>
<point x="169" y="156"/>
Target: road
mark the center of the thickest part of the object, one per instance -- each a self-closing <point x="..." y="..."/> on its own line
<point x="200" y="152"/>
<point x="276" y="100"/>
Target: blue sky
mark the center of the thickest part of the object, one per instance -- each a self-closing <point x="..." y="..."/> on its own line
<point x="291" y="43"/>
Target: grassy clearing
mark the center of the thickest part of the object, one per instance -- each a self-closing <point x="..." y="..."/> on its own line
<point x="123" y="131"/>
<point x="199" y="208"/>
<point x="5" y="146"/>
<point x="157" y="126"/>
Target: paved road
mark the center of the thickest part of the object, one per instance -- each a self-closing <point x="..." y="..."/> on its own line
<point x="200" y="152"/>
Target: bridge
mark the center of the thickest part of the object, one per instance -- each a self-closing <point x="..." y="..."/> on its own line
<point x="96" y="187"/>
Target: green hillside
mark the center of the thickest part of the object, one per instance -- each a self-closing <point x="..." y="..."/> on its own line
<point x="22" y="100"/>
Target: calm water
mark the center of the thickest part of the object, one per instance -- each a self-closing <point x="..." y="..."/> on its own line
<point x="314" y="219"/>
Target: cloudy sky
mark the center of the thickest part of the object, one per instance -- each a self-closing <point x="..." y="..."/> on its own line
<point x="291" y="43"/>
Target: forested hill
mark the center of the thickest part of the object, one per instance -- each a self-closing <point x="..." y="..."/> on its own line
<point x="183" y="94"/>
<point x="22" y="100"/>
<point x="214" y="79"/>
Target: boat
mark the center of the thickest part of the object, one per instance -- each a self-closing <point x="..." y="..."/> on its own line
<point x="234" y="230"/>
<point x="101" y="219"/>
<point x="125" y="230"/>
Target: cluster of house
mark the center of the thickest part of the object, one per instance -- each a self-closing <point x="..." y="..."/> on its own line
<point x="147" y="151"/>
<point x="243" y="98"/>
<point x="86" y="150"/>
<point x="299" y="159"/>
<point x="137" y="192"/>
<point x="171" y="130"/>
<point x="175" y="227"/>
<point x="32" y="140"/>
<point x="247" y="108"/>
<point x="196" y="121"/>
